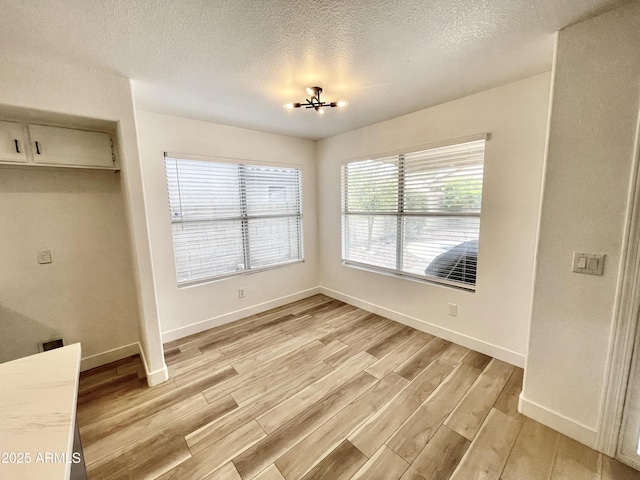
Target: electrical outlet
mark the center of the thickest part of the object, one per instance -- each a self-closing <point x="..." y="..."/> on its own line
<point x="453" y="309"/>
<point x="44" y="256"/>
<point x="241" y="293"/>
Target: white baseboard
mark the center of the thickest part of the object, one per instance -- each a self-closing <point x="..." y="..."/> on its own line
<point x="157" y="376"/>
<point x="236" y="315"/>
<point x="500" y="353"/>
<point x="558" y="422"/>
<point x="93" y="361"/>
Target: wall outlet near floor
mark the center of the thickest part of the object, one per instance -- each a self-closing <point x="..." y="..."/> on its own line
<point x="44" y="256"/>
<point x="453" y="309"/>
<point x="241" y="293"/>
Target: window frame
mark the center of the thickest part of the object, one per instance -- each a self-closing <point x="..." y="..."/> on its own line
<point x="243" y="219"/>
<point x="399" y="214"/>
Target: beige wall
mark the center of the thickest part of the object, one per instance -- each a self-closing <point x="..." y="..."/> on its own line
<point x="87" y="294"/>
<point x="592" y="141"/>
<point x="56" y="87"/>
<point x="494" y="319"/>
<point x="191" y="309"/>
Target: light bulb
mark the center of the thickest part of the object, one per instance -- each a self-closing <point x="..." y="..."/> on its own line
<point x="321" y="111"/>
<point x="310" y="91"/>
<point x="288" y="105"/>
<point x="342" y="103"/>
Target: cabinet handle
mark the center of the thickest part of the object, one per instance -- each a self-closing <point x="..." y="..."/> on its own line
<point x="37" y="148"/>
<point x="17" y="145"/>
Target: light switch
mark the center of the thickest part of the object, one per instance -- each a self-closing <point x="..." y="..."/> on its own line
<point x="589" y="263"/>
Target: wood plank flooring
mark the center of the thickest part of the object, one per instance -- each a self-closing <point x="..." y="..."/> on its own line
<point x="318" y="389"/>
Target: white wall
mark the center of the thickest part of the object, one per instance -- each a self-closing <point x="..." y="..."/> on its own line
<point x="51" y="85"/>
<point x="494" y="319"/>
<point x="88" y="293"/>
<point x="187" y="310"/>
<point x="590" y="156"/>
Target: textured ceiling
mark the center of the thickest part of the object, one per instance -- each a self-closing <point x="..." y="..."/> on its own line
<point x="237" y="62"/>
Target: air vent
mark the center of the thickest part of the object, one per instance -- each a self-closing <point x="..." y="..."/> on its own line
<point x="57" y="343"/>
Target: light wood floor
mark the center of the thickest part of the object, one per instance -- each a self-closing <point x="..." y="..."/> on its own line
<point x="322" y="390"/>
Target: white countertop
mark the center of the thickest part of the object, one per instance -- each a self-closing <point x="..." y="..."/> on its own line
<point x="38" y="396"/>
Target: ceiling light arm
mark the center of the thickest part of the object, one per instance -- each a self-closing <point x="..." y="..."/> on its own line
<point x="314" y="101"/>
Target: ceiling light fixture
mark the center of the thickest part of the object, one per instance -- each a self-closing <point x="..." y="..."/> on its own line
<point x="315" y="102"/>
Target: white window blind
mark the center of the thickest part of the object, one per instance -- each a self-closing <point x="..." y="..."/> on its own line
<point x="228" y="218"/>
<point x="416" y="214"/>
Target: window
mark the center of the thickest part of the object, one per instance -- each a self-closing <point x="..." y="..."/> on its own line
<point x="228" y="218"/>
<point x="415" y="214"/>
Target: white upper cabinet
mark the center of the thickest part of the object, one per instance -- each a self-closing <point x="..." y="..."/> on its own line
<point x="13" y="142"/>
<point x="40" y="145"/>
<point x="69" y="147"/>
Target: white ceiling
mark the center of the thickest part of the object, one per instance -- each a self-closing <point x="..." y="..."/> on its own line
<point x="236" y="62"/>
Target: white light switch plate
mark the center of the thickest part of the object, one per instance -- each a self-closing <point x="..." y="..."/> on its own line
<point x="589" y="263"/>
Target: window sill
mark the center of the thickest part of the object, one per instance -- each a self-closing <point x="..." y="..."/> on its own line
<point x="202" y="281"/>
<point x="434" y="281"/>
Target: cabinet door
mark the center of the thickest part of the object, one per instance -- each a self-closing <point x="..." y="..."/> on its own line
<point x="70" y="147"/>
<point x="13" y="145"/>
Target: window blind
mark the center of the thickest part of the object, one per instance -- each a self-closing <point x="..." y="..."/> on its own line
<point x="228" y="218"/>
<point x="416" y="214"/>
